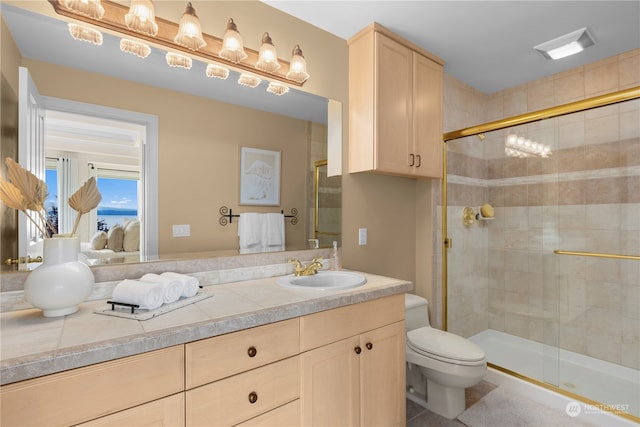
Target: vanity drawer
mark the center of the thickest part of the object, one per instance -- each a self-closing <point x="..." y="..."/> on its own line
<point x="329" y="326"/>
<point x="239" y="398"/>
<point x="168" y="411"/>
<point x="225" y="355"/>
<point x="284" y="416"/>
<point x="83" y="394"/>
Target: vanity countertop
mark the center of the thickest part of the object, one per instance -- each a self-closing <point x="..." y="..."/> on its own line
<point x="33" y="346"/>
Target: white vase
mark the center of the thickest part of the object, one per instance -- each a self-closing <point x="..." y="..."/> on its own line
<point x="61" y="282"/>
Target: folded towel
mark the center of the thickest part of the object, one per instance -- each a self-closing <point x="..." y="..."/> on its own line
<point x="249" y="229"/>
<point x="172" y="288"/>
<point x="190" y="284"/>
<point x="147" y="295"/>
<point x="274" y="229"/>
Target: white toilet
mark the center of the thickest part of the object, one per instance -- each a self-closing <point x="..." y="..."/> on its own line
<point x="440" y="365"/>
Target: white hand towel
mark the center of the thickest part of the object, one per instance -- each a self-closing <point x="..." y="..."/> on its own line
<point x="249" y="228"/>
<point x="172" y="288"/>
<point x="274" y="231"/>
<point x="147" y="295"/>
<point x="190" y="284"/>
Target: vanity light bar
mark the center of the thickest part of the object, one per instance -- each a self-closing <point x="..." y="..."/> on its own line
<point x="114" y="21"/>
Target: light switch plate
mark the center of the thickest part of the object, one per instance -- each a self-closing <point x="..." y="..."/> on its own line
<point x="183" y="230"/>
<point x="362" y="236"/>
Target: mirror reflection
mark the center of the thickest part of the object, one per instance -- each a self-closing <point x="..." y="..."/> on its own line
<point x="198" y="142"/>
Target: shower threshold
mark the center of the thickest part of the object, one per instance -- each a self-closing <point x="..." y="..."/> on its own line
<point x="585" y="376"/>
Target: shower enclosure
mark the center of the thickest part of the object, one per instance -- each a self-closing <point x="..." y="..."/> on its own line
<point x="549" y="285"/>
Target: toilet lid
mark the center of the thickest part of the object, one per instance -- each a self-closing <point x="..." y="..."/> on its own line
<point x="444" y="344"/>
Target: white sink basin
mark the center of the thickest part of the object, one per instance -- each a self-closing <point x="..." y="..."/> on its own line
<point x="324" y="280"/>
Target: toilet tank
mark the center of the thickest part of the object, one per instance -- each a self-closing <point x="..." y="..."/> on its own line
<point x="416" y="311"/>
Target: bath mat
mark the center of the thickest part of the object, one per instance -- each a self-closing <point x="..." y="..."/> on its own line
<point x="504" y="407"/>
<point x="149" y="314"/>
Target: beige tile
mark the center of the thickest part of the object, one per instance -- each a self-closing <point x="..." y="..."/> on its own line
<point x="540" y="94"/>
<point x="629" y="69"/>
<point x="515" y="101"/>
<point x="601" y="77"/>
<point x="569" y="86"/>
<point x="602" y="129"/>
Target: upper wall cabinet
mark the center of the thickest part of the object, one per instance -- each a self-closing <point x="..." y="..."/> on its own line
<point x="395" y="106"/>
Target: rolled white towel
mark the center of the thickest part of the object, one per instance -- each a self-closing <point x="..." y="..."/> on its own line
<point x="172" y="288"/>
<point x="190" y="284"/>
<point x="147" y="295"/>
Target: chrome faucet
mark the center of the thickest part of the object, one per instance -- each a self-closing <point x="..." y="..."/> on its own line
<point x="308" y="270"/>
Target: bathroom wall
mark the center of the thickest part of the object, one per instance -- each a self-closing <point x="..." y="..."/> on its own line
<point x="502" y="274"/>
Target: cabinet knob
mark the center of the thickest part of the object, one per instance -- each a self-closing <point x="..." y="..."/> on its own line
<point x="413" y="159"/>
<point x="369" y="346"/>
<point x="253" y="397"/>
<point x="419" y="160"/>
<point x="252" y="351"/>
<point x="357" y="349"/>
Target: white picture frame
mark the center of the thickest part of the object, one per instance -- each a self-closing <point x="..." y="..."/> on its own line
<point x="259" y="177"/>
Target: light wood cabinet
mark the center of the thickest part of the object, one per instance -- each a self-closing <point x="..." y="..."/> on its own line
<point x="236" y="377"/>
<point x="395" y="106"/>
<point x="83" y="394"/>
<point x="340" y="367"/>
<point x="166" y="412"/>
<point x="359" y="379"/>
<point x="241" y="397"/>
<point x="225" y="355"/>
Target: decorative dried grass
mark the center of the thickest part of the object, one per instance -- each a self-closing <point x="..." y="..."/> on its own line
<point x="32" y="188"/>
<point x="26" y="192"/>
<point x="12" y="196"/>
<point x="84" y="200"/>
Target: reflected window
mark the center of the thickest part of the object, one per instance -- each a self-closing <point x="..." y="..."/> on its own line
<point x="120" y="197"/>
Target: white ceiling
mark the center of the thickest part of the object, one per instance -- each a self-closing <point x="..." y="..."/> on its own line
<point x="486" y="44"/>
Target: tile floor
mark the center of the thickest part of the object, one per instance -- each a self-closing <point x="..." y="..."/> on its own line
<point x="417" y="416"/>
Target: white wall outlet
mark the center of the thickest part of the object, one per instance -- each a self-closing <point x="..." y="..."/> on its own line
<point x="183" y="230"/>
<point x="362" y="236"/>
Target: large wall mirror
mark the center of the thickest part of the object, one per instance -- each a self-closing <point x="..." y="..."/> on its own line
<point x="202" y="124"/>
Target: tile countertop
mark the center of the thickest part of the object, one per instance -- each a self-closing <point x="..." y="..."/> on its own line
<point x="33" y="346"/>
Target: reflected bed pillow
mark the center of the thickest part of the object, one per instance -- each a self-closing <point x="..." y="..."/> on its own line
<point x="99" y="240"/>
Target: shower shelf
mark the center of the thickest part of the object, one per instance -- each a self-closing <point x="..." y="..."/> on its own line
<point x="469" y="216"/>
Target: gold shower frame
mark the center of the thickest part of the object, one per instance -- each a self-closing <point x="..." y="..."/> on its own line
<point x="547" y="113"/>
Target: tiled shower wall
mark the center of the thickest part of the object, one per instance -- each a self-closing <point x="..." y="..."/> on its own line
<point x="586" y="197"/>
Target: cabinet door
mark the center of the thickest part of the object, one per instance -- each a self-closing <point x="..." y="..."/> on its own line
<point x="330" y="394"/>
<point x="393" y="104"/>
<point x="427" y="119"/>
<point x="382" y="376"/>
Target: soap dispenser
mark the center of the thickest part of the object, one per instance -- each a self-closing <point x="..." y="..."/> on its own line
<point x="334" y="258"/>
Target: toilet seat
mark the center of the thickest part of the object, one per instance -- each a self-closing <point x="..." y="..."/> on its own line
<point x="445" y="346"/>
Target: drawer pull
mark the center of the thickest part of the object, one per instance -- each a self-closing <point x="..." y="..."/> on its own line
<point x="419" y="160"/>
<point x="252" y="351"/>
<point x="413" y="159"/>
<point x="369" y="346"/>
<point x="357" y="349"/>
<point x="253" y="397"/>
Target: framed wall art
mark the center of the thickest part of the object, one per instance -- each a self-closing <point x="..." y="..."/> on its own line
<point x="259" y="177"/>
